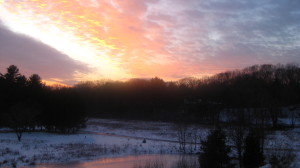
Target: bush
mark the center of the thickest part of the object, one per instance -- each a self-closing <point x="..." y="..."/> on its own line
<point x="282" y="159"/>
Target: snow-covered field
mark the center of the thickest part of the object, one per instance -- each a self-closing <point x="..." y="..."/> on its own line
<point x="101" y="139"/>
<point x="104" y="138"/>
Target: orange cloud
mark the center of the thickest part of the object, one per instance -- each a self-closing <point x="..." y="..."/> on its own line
<point x="144" y="38"/>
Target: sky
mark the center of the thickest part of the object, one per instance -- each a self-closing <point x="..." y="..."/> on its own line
<point x="67" y="41"/>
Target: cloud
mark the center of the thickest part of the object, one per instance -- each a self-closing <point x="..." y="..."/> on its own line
<point x="167" y="38"/>
<point x="32" y="56"/>
<point x="221" y="35"/>
<point x="186" y="38"/>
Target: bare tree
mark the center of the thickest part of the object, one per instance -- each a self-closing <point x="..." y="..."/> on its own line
<point x="238" y="135"/>
<point x="182" y="132"/>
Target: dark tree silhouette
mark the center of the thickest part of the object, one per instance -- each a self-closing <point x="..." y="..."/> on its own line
<point x="260" y="90"/>
<point x="237" y="136"/>
<point x="12" y="74"/>
<point x="35" y="82"/>
<point x="21" y="117"/>
<point x="28" y="103"/>
<point x="63" y="111"/>
<point x="255" y="96"/>
<point x="253" y="156"/>
<point x="12" y="90"/>
<point x="215" y="152"/>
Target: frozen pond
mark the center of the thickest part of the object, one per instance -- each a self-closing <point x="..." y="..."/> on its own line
<point x="168" y="161"/>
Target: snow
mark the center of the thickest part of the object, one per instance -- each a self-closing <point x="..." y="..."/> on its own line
<point x="103" y="138"/>
<point x="47" y="147"/>
<point x="39" y="147"/>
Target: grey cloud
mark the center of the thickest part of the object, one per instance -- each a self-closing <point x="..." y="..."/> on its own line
<point x="251" y="31"/>
<point x="248" y="32"/>
<point x="32" y="56"/>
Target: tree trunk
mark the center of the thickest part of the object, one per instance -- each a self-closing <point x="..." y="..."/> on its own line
<point x="19" y="133"/>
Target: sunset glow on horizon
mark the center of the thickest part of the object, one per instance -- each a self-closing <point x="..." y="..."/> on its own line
<point x="67" y="41"/>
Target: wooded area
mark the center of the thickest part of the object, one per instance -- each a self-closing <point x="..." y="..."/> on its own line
<point x="27" y="104"/>
<point x="255" y="95"/>
<point x="251" y="95"/>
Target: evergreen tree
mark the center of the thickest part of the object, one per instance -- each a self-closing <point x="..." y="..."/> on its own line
<point x="35" y="82"/>
<point x="12" y="74"/>
<point x="215" y="152"/>
<point x="253" y="156"/>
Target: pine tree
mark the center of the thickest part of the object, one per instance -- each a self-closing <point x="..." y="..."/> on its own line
<point x="253" y="156"/>
<point x="215" y="152"/>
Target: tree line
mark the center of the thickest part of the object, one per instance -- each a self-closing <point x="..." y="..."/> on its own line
<point x="252" y="95"/>
<point x="26" y="104"/>
<point x="255" y="95"/>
